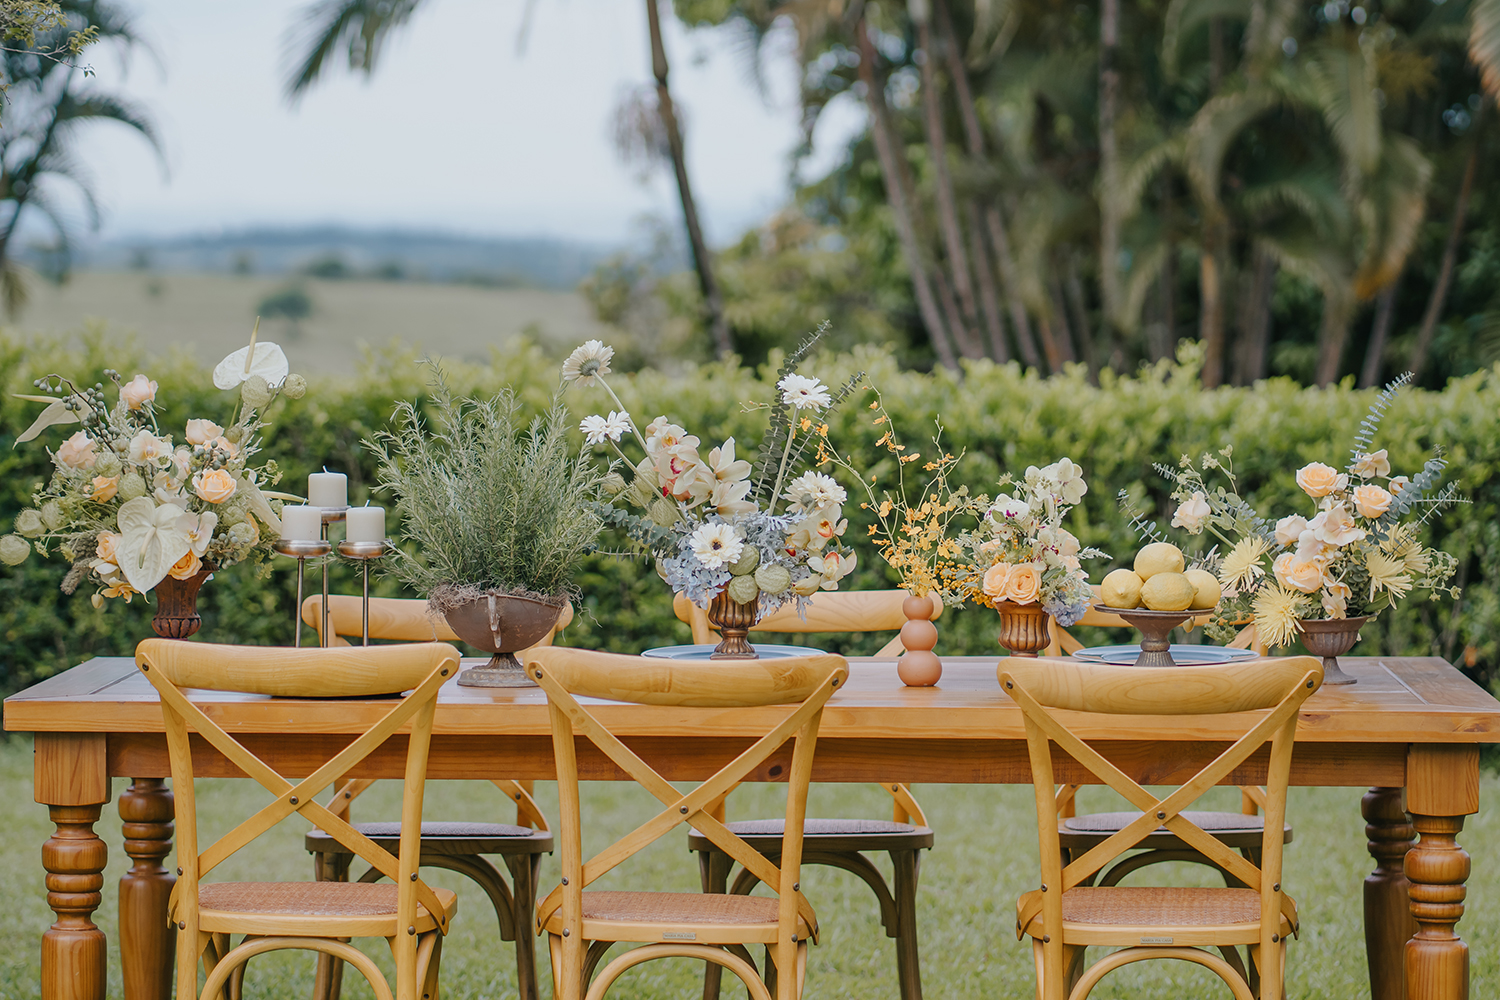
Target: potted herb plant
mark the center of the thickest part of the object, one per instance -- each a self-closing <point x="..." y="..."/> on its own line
<point x="497" y="510"/>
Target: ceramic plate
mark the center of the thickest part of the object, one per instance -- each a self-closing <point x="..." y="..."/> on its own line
<point x="1182" y="654"/>
<point x="700" y="651"/>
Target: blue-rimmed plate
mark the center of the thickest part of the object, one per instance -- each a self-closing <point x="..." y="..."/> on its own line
<point x="1182" y="654"/>
<point x="701" y="651"/>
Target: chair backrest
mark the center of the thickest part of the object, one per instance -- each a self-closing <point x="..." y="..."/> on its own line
<point x="173" y="667"/>
<point x="802" y="683"/>
<point x="400" y="618"/>
<point x="1273" y="689"/>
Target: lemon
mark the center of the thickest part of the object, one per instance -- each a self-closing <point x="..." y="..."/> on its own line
<point x="1168" y="592"/>
<point x="1158" y="557"/>
<point x="1121" y="589"/>
<point x="1206" y="587"/>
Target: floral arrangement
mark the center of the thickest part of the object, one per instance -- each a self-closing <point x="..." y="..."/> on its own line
<point x="130" y="505"/>
<point x="714" y="523"/>
<point x="1020" y="552"/>
<point x="1357" y="555"/>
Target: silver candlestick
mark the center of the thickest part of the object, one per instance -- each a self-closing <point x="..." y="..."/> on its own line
<point x="331" y="515"/>
<point x="303" y="550"/>
<point x="364" y="552"/>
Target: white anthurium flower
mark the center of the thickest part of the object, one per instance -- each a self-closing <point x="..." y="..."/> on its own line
<point x="152" y="539"/>
<point x="56" y="412"/>
<point x="269" y="362"/>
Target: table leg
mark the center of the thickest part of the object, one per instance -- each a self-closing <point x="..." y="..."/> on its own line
<point x="1442" y="787"/>
<point x="73" y="948"/>
<point x="1388" y="921"/>
<point x="147" y="944"/>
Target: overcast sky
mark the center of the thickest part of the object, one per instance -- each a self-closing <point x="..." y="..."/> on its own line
<point x="456" y="130"/>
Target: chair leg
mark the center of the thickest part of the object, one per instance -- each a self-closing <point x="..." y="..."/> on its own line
<point x="591" y="959"/>
<point x="329" y="979"/>
<point x="713" y="871"/>
<point x="524" y="872"/>
<point x="429" y="974"/>
<point x="908" y="965"/>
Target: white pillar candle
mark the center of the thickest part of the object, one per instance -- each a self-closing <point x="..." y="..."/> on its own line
<point x="302" y="524"/>
<point x="365" y="524"/>
<point x="328" y="489"/>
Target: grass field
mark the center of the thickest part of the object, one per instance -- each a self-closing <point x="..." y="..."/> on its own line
<point x="210" y="315"/>
<point x="985" y="855"/>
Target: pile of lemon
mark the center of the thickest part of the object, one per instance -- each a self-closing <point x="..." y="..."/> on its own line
<point x="1159" y="582"/>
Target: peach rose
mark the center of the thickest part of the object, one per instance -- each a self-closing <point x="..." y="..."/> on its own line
<point x="108" y="546"/>
<point x="1024" y="584"/>
<point x="995" y="579"/>
<point x="202" y="431"/>
<point x="138" y="392"/>
<point x="224" y="444"/>
<point x="105" y="488"/>
<point x="1317" y="479"/>
<point x="1335" y="526"/>
<point x="77" y="452"/>
<point x="187" y="567"/>
<point x="214" y="485"/>
<point x="1371" y="501"/>
<point x="1303" y="575"/>
<point x="1376" y="463"/>
<point x="1399" y="483"/>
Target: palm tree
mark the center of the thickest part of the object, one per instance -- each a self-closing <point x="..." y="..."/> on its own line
<point x="49" y="103"/>
<point x="362" y="27"/>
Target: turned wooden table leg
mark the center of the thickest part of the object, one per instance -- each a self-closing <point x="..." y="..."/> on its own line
<point x="1388" y="921"/>
<point x="1442" y="787"/>
<point x="147" y="944"/>
<point x="73" y="948"/>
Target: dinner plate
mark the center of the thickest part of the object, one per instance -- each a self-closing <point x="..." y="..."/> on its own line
<point x="701" y="651"/>
<point x="1182" y="654"/>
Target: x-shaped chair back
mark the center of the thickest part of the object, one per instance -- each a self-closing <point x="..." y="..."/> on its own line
<point x="174" y="667"/>
<point x="1273" y="688"/>
<point x="565" y="674"/>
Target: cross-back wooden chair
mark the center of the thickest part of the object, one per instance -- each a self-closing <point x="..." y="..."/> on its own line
<point x="835" y="843"/>
<point x="462" y="847"/>
<point x="582" y="925"/>
<point x="315" y="916"/>
<point x="1066" y="915"/>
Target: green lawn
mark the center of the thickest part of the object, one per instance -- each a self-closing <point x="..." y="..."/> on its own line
<point x="985" y="856"/>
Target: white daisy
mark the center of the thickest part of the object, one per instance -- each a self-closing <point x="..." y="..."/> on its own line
<point x="587" y="362"/>
<point x="813" y="490"/>
<point x="593" y="428"/>
<point x="716" y="545"/>
<point x="616" y="424"/>
<point x="803" y="392"/>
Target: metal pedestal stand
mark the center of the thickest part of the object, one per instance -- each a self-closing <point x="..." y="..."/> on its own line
<point x="302" y="551"/>
<point x="364" y="552"/>
<point x="331" y="515"/>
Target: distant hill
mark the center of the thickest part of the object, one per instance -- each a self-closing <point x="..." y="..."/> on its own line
<point x="334" y="252"/>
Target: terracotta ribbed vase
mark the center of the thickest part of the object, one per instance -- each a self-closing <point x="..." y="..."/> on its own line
<point x="1023" y="628"/>
<point x="177" y="605"/>
<point x="734" y="620"/>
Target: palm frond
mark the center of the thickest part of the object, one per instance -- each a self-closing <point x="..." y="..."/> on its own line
<point x="362" y="26"/>
<point x="1484" y="43"/>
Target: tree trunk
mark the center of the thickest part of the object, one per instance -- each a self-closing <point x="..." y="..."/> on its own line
<point x="713" y="301"/>
<point x="1109" y="160"/>
<point x="943" y="197"/>
<point x="966" y="345"/>
<point x="1380" y="333"/>
<point x="1332" y="336"/>
<point x="1087" y="348"/>
<point x="1212" y="282"/>
<point x="993" y="218"/>
<point x="895" y="192"/>
<point x="1164" y="346"/>
<point x="1064" y="337"/>
<point x="1445" y="270"/>
<point x="1254" y="317"/>
<point x="984" y="274"/>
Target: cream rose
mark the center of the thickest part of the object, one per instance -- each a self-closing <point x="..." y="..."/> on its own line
<point x="1289" y="529"/>
<point x="1191" y="513"/>
<point x="202" y="431"/>
<point x="1376" y="463"/>
<point x="77" y="452"/>
<point x="1399" y="483"/>
<point x="1303" y="575"/>
<point x="995" y="579"/>
<point x="107" y="547"/>
<point x="1024" y="584"/>
<point x="1317" y="479"/>
<point x="187" y="567"/>
<point x="1371" y="501"/>
<point x="1335" y="526"/>
<point x="224" y="444"/>
<point x="214" y="485"/>
<point x="105" y="488"/>
<point x="138" y="392"/>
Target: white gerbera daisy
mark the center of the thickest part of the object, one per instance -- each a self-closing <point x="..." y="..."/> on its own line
<point x="587" y="362"/>
<point x="597" y="429"/>
<point x="716" y="545"/>
<point x="803" y="392"/>
<point x="616" y="424"/>
<point x="813" y="491"/>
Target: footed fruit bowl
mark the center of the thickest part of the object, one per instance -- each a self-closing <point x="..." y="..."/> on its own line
<point x="1156" y="630"/>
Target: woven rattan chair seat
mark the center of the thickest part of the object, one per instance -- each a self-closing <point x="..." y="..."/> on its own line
<point x="1236" y="830"/>
<point x="445" y="838"/>
<point x="826" y="835"/>
<point x="1123" y="915"/>
<point x="646" y="916"/>
<point x="366" y="909"/>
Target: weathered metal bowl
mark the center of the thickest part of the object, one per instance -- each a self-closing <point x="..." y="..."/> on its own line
<point x="502" y="624"/>
<point x="1330" y="639"/>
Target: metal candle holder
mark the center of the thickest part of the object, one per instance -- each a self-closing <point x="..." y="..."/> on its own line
<point x="303" y="550"/>
<point x="364" y="552"/>
<point x="331" y="515"/>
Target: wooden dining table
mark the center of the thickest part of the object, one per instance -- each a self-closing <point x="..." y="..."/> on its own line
<point x="1409" y="731"/>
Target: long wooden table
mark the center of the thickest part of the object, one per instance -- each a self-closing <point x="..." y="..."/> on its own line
<point x="1409" y="731"/>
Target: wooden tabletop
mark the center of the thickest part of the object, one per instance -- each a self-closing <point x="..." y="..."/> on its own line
<point x="1397" y="700"/>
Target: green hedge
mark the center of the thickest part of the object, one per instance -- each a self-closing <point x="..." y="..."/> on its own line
<point x="1004" y="418"/>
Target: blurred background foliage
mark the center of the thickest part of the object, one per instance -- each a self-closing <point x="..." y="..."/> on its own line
<point x="1002" y="417"/>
